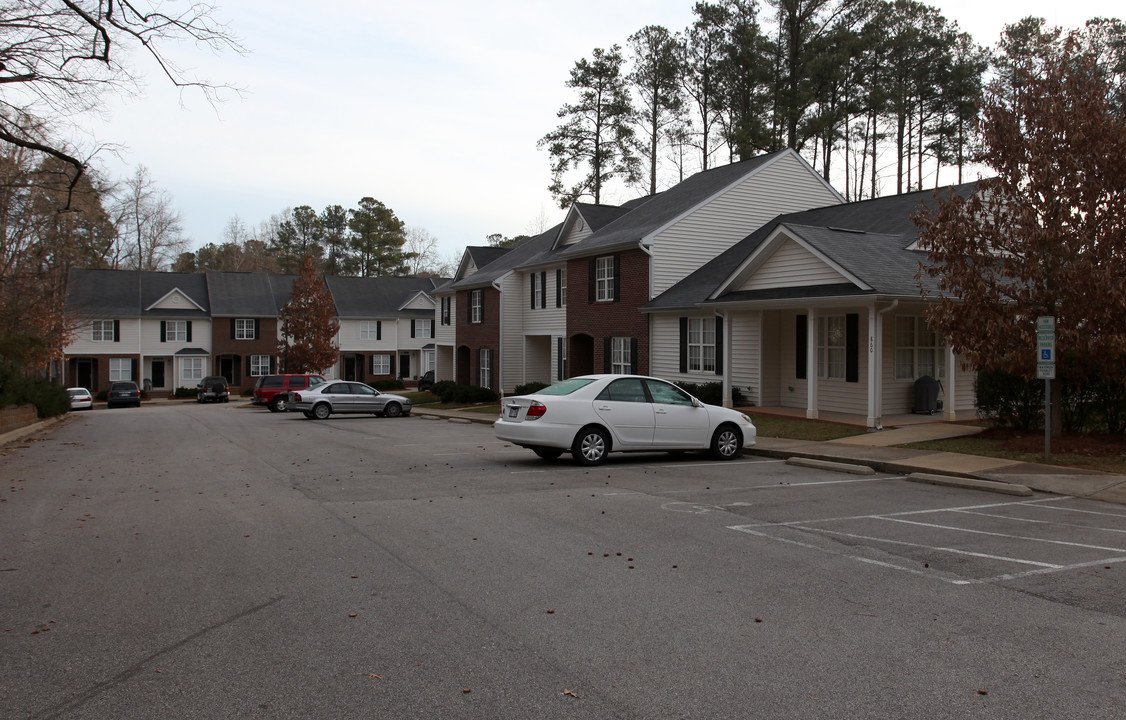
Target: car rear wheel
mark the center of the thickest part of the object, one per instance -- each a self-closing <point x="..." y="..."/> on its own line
<point x="392" y="409"/>
<point x="279" y="403"/>
<point x="727" y="443"/>
<point x="591" y="446"/>
<point x="548" y="453"/>
<point x="321" y="411"/>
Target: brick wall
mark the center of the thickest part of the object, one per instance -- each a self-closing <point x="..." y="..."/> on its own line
<point x="477" y="336"/>
<point x="604" y="319"/>
<point x="15" y="417"/>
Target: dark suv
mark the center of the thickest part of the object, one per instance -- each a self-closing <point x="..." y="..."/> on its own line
<point x="273" y="390"/>
<point x="123" y="392"/>
<point x="213" y="389"/>
<point x="426" y="382"/>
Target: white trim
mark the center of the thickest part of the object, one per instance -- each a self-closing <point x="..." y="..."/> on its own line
<point x="175" y="291"/>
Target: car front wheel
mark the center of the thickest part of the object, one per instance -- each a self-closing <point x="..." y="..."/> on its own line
<point x="727" y="443"/>
<point x="322" y="411"/>
<point x="591" y="446"/>
<point x="393" y="409"/>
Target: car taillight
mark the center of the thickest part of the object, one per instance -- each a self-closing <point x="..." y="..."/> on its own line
<point x="296" y="397"/>
<point x="535" y="410"/>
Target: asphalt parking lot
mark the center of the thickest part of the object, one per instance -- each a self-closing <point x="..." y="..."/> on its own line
<point x="223" y="561"/>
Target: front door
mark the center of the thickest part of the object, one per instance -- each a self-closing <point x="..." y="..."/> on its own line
<point x="404" y="366"/>
<point x="227" y="369"/>
<point x="84" y="375"/>
<point x="349" y="367"/>
<point x="158" y="373"/>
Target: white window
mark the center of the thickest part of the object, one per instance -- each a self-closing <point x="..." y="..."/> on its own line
<point x="422" y="328"/>
<point x="259" y="365"/>
<point x="485" y="376"/>
<point x="539" y="298"/>
<point x="831" y="349"/>
<point x="176" y="331"/>
<point x="370" y="330"/>
<point x="120" y="369"/>
<point x="476" y="306"/>
<point x="701" y="344"/>
<point x="447" y="304"/>
<point x="604" y="278"/>
<point x="918" y="352"/>
<point x="244" y="330"/>
<point x="563" y="287"/>
<point x="380" y="364"/>
<point x="620" y="354"/>
<point x="101" y="331"/>
<point x="193" y="368"/>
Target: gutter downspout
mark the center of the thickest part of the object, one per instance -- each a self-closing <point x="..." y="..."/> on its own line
<point x="500" y="337"/>
<point x="875" y="367"/>
<point x="648" y="316"/>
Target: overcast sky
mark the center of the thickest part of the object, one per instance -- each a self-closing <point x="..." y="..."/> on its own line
<point x="433" y="107"/>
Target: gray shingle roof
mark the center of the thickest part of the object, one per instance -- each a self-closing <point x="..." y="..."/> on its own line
<point x="244" y="294"/>
<point x="869" y="239"/>
<point x="127" y="293"/>
<point x="378" y="297"/>
<point x="529" y="251"/>
<point x="654" y="212"/>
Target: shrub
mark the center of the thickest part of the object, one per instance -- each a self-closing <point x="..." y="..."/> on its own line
<point x="186" y="392"/>
<point x="1009" y="400"/>
<point x="712" y="392"/>
<point x="50" y="399"/>
<point x="442" y="386"/>
<point x="529" y="388"/>
<point x="391" y="384"/>
<point x="462" y="394"/>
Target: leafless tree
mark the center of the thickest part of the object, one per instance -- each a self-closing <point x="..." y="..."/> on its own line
<point x="58" y="58"/>
<point x="149" y="230"/>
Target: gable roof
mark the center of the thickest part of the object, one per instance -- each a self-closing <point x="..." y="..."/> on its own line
<point x="376" y="297"/>
<point x="133" y="293"/>
<point x="537" y="249"/>
<point x="870" y="240"/>
<point x="247" y="294"/>
<point x="651" y="214"/>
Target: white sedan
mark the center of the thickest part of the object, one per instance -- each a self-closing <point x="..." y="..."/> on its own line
<point x="594" y="415"/>
<point x="80" y="399"/>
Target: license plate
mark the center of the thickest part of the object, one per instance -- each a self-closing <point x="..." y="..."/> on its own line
<point x="513" y="411"/>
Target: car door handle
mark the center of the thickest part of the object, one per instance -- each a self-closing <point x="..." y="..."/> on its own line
<point x="661" y="412"/>
<point x="604" y="407"/>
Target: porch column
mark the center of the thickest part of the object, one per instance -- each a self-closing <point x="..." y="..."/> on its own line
<point x="875" y="367"/>
<point x="727" y="342"/>
<point x="811" y="365"/>
<point x="950" y="413"/>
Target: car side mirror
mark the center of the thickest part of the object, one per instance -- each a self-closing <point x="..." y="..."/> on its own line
<point x="697" y="403"/>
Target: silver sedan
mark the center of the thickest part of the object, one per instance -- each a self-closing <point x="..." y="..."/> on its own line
<point x="338" y="396"/>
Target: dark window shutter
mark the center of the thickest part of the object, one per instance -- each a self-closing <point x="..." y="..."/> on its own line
<point x="684" y="344"/>
<point x="469" y="306"/>
<point x="593" y="277"/>
<point x="633" y="355"/>
<point x="247" y="363"/>
<point x="189" y="331"/>
<point x="378" y="329"/>
<point x="559" y="357"/>
<point x="412" y="327"/>
<point x="431" y="329"/>
<point x="133" y="369"/>
<point x="274" y="364"/>
<point x="532" y="279"/>
<point x="117" y="331"/>
<point x="852" y="347"/>
<point x="232" y="328"/>
<point x="543" y="288"/>
<point x="617" y="278"/>
<point x="718" y="345"/>
<point x="558" y="288"/>
<point x="482" y="296"/>
<point x="801" y="353"/>
<point x="163" y="331"/>
<point x="391" y="364"/>
<point x="607" y="355"/>
<point x="257" y="328"/>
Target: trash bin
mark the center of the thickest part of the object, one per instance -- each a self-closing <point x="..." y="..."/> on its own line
<point x="926" y="395"/>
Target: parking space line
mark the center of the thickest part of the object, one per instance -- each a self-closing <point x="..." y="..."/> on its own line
<point x="904" y="513"/>
<point x="956" y="551"/>
<point x="746" y="529"/>
<point x="1080" y="510"/>
<point x="1004" y="535"/>
<point x="1027" y="573"/>
<point x="1043" y="522"/>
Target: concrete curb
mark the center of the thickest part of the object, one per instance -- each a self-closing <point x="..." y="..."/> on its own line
<point x="971" y="483"/>
<point x="830" y="465"/>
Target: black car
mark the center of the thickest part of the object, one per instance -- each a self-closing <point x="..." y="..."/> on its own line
<point x="426" y="381"/>
<point x="123" y="392"/>
<point x="213" y="389"/>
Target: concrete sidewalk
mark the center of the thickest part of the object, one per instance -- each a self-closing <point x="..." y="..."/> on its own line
<point x="876" y="450"/>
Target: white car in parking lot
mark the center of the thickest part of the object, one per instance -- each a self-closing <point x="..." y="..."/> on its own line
<point x="594" y="415"/>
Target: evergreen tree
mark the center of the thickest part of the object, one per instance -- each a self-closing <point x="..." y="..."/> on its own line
<point x="655" y="79"/>
<point x="376" y="242"/>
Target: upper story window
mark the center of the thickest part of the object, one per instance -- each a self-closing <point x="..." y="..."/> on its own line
<point x="539" y="292"/>
<point x="476" y="306"/>
<point x="561" y="290"/>
<point x="604" y="278"/>
<point x="701" y="344"/>
<point x="370" y="330"/>
<point x="102" y="331"/>
<point x="447" y="303"/>
<point x="422" y="328"/>
<point x="176" y="331"/>
<point x="244" y="329"/>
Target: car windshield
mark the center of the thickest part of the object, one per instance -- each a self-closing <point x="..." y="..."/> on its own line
<point x="314" y="381"/>
<point x="77" y="393"/>
<point x="565" y="387"/>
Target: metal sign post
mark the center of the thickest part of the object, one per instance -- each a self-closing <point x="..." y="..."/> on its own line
<point x="1046" y="369"/>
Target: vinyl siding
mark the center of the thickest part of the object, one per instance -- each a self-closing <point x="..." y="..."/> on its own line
<point x="514" y="299"/>
<point x="129" y="343"/>
<point x="150" y="337"/>
<point x="791" y="265"/>
<point x="538" y="356"/>
<point x="446" y="333"/>
<point x="348" y="337"/>
<point x="420" y="302"/>
<point x="548" y="320"/>
<point x="786" y="185"/>
<point x="744" y="335"/>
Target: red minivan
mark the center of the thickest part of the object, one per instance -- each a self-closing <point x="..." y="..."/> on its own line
<point x="273" y="390"/>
